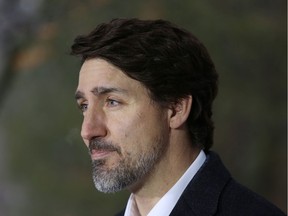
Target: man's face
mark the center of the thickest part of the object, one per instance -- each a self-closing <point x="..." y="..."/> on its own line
<point x="125" y="131"/>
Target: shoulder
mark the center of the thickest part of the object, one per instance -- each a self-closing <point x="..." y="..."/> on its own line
<point x="236" y="199"/>
<point x="213" y="191"/>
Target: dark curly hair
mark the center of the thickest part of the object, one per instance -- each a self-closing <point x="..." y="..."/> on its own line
<point x="169" y="61"/>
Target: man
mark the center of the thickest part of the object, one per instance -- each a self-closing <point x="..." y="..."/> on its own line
<point x="146" y="90"/>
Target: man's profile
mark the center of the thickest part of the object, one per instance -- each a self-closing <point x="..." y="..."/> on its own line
<point x="146" y="90"/>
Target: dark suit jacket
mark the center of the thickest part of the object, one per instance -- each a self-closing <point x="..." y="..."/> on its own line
<point x="213" y="191"/>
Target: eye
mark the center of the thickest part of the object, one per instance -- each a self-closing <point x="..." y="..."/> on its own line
<point x="112" y="103"/>
<point x="83" y="107"/>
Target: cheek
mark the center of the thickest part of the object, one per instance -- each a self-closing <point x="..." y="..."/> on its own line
<point x="143" y="130"/>
<point x="129" y="133"/>
<point x="136" y="131"/>
<point x="126" y="122"/>
<point x="130" y="129"/>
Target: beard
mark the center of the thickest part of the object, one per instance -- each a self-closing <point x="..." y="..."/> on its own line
<point x="129" y="169"/>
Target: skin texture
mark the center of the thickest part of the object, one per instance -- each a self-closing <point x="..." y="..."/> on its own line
<point x="133" y="142"/>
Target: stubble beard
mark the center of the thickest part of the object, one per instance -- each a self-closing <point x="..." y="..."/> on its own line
<point x="129" y="169"/>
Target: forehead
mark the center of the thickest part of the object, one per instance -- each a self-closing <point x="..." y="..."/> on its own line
<point x="97" y="73"/>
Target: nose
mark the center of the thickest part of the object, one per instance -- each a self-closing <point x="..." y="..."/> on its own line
<point x="93" y="126"/>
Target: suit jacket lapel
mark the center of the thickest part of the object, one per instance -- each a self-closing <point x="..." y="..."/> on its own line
<point x="202" y="194"/>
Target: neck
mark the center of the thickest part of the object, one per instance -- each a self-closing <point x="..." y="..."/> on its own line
<point x="177" y="158"/>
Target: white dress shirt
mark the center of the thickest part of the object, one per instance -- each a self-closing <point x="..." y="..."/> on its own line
<point x="165" y="205"/>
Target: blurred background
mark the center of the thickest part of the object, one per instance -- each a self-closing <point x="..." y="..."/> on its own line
<point x="44" y="166"/>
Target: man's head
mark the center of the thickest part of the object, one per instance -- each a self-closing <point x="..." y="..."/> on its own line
<point x="135" y="75"/>
<point x="169" y="61"/>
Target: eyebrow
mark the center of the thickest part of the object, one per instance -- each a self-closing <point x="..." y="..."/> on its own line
<point x="100" y="91"/>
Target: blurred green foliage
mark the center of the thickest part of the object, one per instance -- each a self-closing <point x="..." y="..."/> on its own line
<point x="45" y="169"/>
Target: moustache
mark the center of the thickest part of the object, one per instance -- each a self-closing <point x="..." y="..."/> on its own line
<point x="98" y="144"/>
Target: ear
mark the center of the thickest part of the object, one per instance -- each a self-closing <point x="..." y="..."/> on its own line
<point x="179" y="112"/>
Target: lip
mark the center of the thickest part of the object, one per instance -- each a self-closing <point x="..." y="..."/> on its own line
<point x="99" y="154"/>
